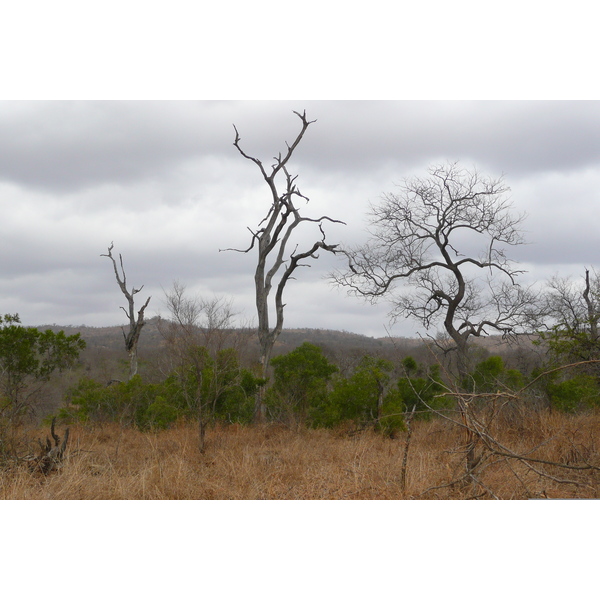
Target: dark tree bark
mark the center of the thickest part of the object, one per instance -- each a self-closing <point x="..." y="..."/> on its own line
<point x="135" y="324"/>
<point x="275" y="266"/>
<point x="51" y="457"/>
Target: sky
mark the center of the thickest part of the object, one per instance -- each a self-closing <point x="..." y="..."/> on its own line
<point x="163" y="181"/>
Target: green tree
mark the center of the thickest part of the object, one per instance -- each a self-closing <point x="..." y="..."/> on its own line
<point x="301" y="379"/>
<point x="365" y="397"/>
<point x="28" y="357"/>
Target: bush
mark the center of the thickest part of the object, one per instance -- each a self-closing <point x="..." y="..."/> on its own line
<point x="213" y="389"/>
<point x="236" y="403"/>
<point x="490" y="375"/>
<point x="422" y="393"/>
<point x="363" y="398"/>
<point x="300" y="384"/>
<point x="160" y="414"/>
<point x="573" y="394"/>
<point x="129" y="403"/>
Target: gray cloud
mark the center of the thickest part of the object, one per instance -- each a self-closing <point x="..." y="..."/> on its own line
<point x="164" y="182"/>
<point x="68" y="146"/>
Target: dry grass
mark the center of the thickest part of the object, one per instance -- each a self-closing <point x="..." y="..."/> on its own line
<point x="273" y="462"/>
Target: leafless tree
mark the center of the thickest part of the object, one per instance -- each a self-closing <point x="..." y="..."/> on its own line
<point x="413" y="257"/>
<point x="196" y="331"/>
<point x="592" y="304"/>
<point x="276" y="264"/>
<point x="573" y="308"/>
<point x="135" y="324"/>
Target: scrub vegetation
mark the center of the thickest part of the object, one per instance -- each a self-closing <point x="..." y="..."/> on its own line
<point x="342" y="423"/>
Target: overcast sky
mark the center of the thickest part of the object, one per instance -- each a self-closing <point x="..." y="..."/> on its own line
<point x="163" y="181"/>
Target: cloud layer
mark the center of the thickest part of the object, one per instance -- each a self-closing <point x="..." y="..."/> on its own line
<point x="164" y="182"/>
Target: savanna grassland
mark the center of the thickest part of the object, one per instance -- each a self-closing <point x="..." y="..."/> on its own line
<point x="276" y="462"/>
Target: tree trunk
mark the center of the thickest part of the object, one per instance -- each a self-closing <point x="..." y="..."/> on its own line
<point x="260" y="410"/>
<point x="593" y="316"/>
<point x="133" y="363"/>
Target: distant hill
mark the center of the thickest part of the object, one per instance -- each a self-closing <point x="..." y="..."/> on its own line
<point x="151" y="338"/>
<point x="111" y="338"/>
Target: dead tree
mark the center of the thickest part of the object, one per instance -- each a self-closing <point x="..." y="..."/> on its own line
<point x="135" y="324"/>
<point x="275" y="264"/>
<point x="574" y="312"/>
<point x="591" y="303"/>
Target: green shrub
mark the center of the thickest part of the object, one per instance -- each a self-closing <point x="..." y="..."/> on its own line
<point x="573" y="394"/>
<point x="213" y="388"/>
<point x="160" y="414"/>
<point x="490" y="375"/>
<point x="363" y="398"/>
<point x="300" y="383"/>
<point x="422" y="393"/>
<point x="236" y="402"/>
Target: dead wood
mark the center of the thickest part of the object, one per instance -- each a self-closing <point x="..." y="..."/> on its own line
<point x="50" y="457"/>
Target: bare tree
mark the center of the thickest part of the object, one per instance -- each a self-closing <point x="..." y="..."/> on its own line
<point x="574" y="310"/>
<point x="135" y="324"/>
<point x="197" y="321"/>
<point x="196" y="333"/>
<point x="275" y="263"/>
<point x="415" y="239"/>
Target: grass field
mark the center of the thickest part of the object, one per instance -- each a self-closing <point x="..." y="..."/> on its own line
<point x="276" y="462"/>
